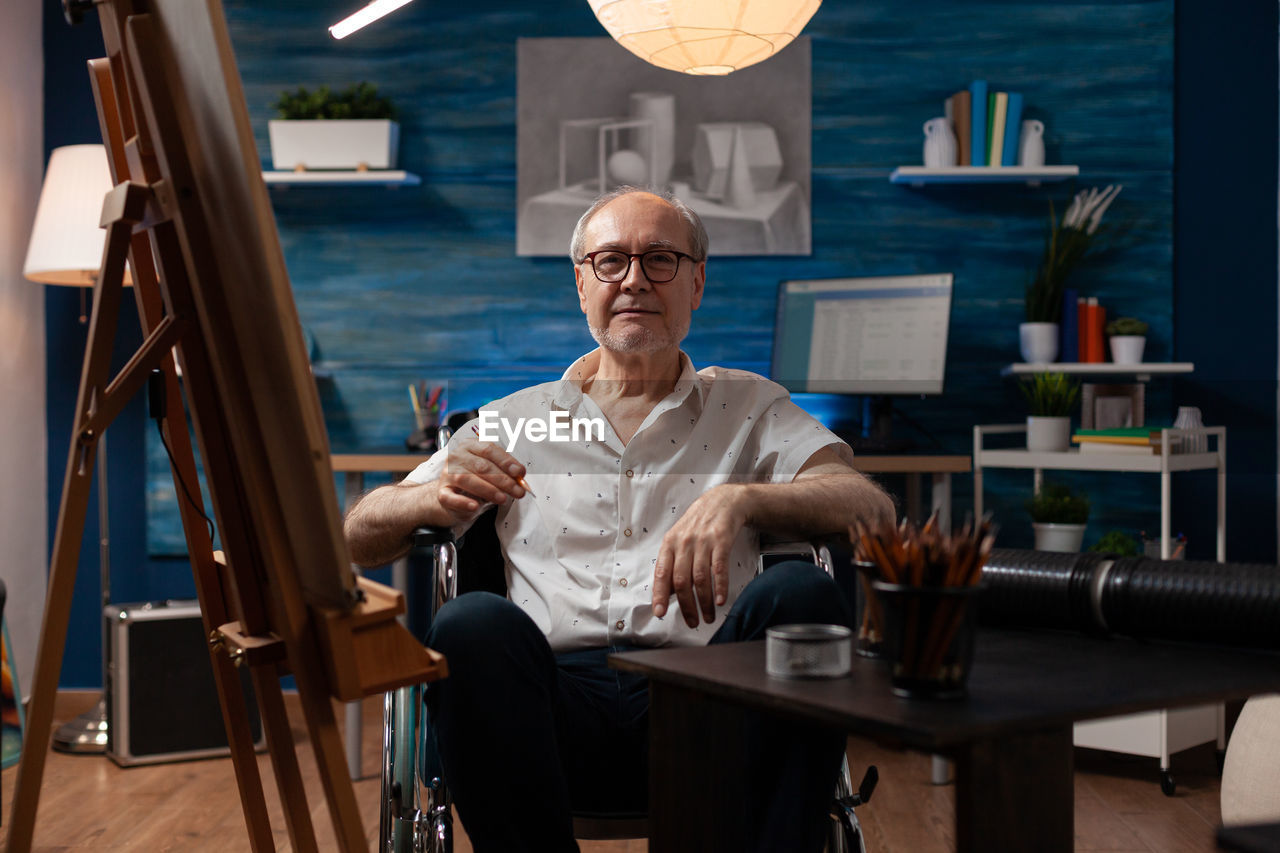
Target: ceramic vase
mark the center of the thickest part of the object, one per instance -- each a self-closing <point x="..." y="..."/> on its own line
<point x="940" y="148"/>
<point x="1031" y="144"/>
<point x="1066" y="538"/>
<point x="1127" y="349"/>
<point x="1038" y="342"/>
<point x="1189" y="418"/>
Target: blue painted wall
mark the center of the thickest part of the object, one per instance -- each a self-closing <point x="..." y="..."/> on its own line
<point x="423" y="283"/>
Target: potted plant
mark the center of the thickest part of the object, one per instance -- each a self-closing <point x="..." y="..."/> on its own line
<point x="323" y="129"/>
<point x="1128" y="337"/>
<point x="1069" y="240"/>
<point x="1050" y="399"/>
<point x="1058" y="517"/>
<point x="1116" y="542"/>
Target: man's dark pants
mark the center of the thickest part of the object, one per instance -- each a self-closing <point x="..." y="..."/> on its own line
<point x="525" y="736"/>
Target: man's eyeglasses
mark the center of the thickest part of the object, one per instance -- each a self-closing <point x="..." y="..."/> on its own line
<point x="658" y="265"/>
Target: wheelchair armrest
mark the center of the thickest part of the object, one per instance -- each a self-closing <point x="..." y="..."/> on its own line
<point x="426" y="537"/>
<point x="820" y="549"/>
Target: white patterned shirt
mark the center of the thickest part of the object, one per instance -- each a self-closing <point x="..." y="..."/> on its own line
<point x="580" y="550"/>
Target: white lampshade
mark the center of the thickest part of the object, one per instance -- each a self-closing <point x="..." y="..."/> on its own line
<point x="66" y="240"/>
<point x="704" y="36"/>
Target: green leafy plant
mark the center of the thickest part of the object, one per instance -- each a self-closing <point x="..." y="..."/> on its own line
<point x="1126" y="326"/>
<point x="1069" y="240"/>
<point x="359" y="101"/>
<point x="1055" y="503"/>
<point x="1050" y="395"/>
<point x="1117" y="542"/>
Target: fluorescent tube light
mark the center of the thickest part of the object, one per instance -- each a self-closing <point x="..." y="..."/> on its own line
<point x="366" y="16"/>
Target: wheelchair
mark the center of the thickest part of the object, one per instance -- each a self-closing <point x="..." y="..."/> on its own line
<point x="415" y="814"/>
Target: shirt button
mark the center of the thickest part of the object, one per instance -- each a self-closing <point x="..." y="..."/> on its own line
<point x="627" y="532"/>
<point x="620" y="624"/>
<point x="623" y="582"/>
<point x="630" y="473"/>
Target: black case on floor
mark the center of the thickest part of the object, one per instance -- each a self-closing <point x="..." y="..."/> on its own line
<point x="162" y="704"/>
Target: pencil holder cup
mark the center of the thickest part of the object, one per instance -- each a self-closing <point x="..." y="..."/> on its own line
<point x="928" y="637"/>
<point x="868" y="639"/>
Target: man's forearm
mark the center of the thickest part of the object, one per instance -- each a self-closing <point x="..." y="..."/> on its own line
<point x="378" y="527"/>
<point x="815" y="505"/>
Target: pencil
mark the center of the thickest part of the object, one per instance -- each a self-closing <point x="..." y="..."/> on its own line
<point x="417" y="410"/>
<point x="519" y="480"/>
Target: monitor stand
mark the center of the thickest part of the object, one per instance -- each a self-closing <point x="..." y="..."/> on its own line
<point x="877" y="427"/>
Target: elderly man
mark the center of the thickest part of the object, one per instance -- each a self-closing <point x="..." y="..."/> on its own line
<point x="663" y="500"/>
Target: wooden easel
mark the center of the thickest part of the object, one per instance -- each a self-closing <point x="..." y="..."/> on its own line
<point x="190" y="211"/>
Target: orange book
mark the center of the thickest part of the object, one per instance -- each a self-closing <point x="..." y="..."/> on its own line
<point x="1082" y="329"/>
<point x="1092" y="332"/>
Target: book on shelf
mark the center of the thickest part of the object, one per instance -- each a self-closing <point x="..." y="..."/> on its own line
<point x="1120" y="432"/>
<point x="961" y="120"/>
<point x="978" y="122"/>
<point x="999" y="107"/>
<point x="1012" y="130"/>
<point x="1143" y="438"/>
<point x="1138" y="441"/>
<point x="1102" y="447"/>
<point x="1092" y="322"/>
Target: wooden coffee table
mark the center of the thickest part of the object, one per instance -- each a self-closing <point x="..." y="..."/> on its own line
<point x="1010" y="738"/>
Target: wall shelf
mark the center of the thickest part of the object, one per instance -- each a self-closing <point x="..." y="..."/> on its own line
<point x="371" y="177"/>
<point x="918" y="176"/>
<point x="1143" y="370"/>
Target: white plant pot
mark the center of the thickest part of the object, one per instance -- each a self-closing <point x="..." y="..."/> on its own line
<point x="1058" y="537"/>
<point x="1038" y="342"/>
<point x="1127" y="349"/>
<point x="1051" y="435"/>
<point x="334" y="144"/>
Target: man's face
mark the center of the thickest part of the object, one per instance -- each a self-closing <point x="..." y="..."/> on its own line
<point x="635" y="315"/>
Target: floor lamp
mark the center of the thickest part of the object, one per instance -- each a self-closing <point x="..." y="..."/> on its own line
<point x="66" y="248"/>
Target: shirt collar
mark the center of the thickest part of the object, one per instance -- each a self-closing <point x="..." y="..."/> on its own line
<point x="569" y="394"/>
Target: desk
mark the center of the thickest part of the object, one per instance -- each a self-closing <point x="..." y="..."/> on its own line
<point x="354" y="466"/>
<point x="1011" y="738"/>
<point x="913" y="465"/>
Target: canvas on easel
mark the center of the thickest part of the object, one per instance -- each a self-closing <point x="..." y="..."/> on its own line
<point x="191" y="212"/>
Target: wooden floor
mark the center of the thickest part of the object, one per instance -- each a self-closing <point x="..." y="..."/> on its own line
<point x="88" y="802"/>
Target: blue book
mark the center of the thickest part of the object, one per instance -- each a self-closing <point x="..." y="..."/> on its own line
<point x="978" y="131"/>
<point x="1012" y="130"/>
<point x="1070" y="326"/>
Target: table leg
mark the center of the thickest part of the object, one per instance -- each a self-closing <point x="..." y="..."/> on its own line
<point x="1015" y="792"/>
<point x="694" y="739"/>
<point x="941" y="498"/>
<point x="913" y="497"/>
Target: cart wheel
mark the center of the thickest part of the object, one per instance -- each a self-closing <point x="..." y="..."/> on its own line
<point x="1167" y="784"/>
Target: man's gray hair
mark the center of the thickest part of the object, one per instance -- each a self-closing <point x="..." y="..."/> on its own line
<point x="697" y="231"/>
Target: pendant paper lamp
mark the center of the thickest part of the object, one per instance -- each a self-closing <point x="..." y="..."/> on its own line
<point x="704" y="36"/>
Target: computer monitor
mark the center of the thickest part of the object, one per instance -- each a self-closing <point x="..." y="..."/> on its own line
<point x="878" y="336"/>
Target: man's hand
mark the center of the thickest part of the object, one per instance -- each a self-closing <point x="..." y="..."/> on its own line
<point x="476" y="473"/>
<point x="693" y="561"/>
